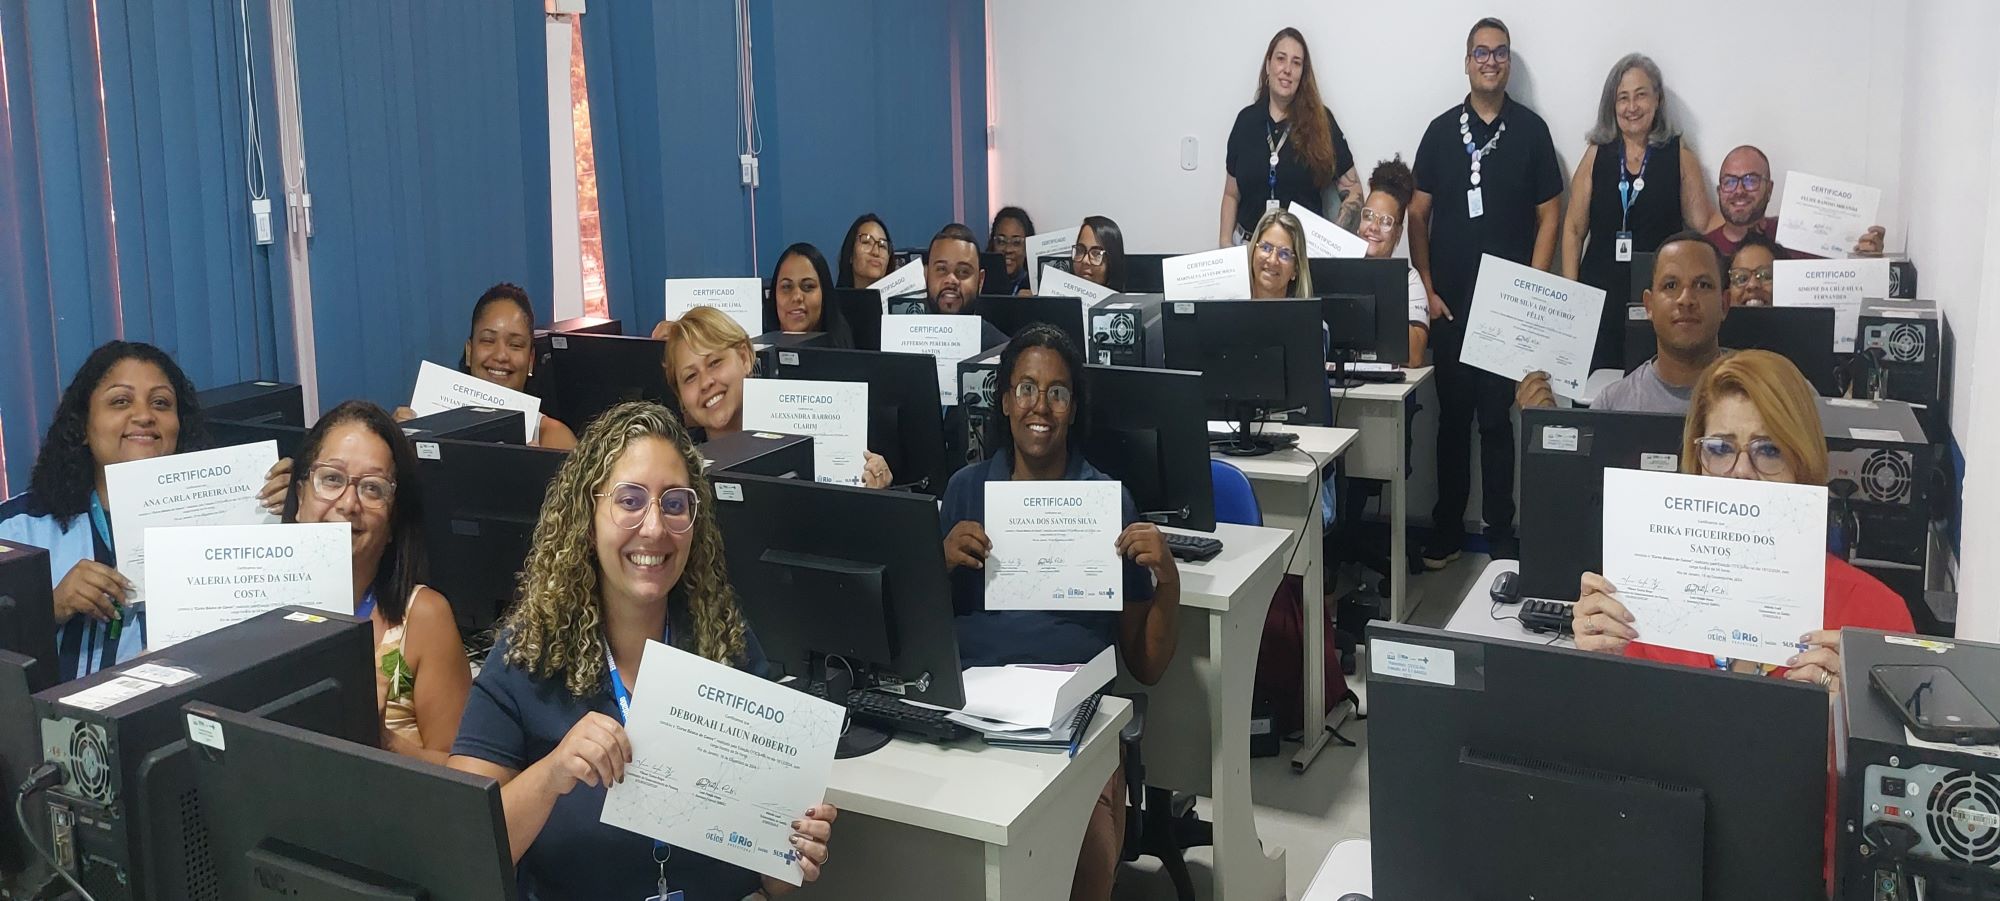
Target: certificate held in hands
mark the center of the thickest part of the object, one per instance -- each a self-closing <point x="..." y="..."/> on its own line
<point x="1525" y="320"/>
<point x="1824" y="217"/>
<point x="722" y="761"/>
<point x="200" y="488"/>
<point x="741" y="299"/>
<point x="440" y="388"/>
<point x="1054" y="546"/>
<point x="206" y="577"/>
<point x="834" y="414"/>
<point x="1211" y="275"/>
<point x="1731" y="568"/>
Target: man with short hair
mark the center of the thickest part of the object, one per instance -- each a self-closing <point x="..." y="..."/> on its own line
<point x="1742" y="198"/>
<point x="952" y="276"/>
<point x="1686" y="304"/>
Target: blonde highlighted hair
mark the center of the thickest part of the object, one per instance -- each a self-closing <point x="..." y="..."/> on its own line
<point x="702" y="330"/>
<point x="1302" y="280"/>
<point x="1784" y="400"/>
<point x="557" y="629"/>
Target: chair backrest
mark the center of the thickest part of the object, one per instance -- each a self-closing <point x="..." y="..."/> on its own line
<point x="1235" y="502"/>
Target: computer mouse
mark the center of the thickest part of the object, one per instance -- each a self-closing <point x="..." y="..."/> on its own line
<point x="1507" y="588"/>
<point x="1353" y="896"/>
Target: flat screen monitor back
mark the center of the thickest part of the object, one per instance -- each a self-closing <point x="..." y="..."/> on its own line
<point x="1564" y="453"/>
<point x="481" y="502"/>
<point x="1803" y="335"/>
<point x="594" y="373"/>
<point x="1388" y="281"/>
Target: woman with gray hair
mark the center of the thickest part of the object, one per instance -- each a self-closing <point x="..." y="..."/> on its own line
<point x="1636" y="184"/>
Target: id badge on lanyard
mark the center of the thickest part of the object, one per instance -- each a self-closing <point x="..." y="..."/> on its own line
<point x="1271" y="184"/>
<point x="662" y="853"/>
<point x="1628" y="194"/>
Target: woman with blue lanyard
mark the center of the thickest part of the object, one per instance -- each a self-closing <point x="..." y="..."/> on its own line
<point x="1636" y="184"/>
<point x="358" y="468"/>
<point x="1286" y="148"/>
<point x="128" y="401"/>
<point x="627" y="551"/>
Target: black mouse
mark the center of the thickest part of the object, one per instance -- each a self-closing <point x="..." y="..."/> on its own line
<point x="1506" y="590"/>
<point x="1353" y="896"/>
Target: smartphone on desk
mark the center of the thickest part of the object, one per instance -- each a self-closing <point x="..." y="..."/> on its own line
<point x="1935" y="705"/>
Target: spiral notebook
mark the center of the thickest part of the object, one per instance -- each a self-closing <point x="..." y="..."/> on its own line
<point x="1062" y="735"/>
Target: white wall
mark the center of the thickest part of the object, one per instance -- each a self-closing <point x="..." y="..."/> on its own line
<point x="1091" y="100"/>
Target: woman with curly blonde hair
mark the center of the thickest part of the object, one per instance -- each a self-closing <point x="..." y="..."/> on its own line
<point x="622" y="555"/>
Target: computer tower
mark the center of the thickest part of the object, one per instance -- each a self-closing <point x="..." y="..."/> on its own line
<point x="468" y="424"/>
<point x="1879" y="474"/>
<point x="1903" y="352"/>
<point x="124" y="818"/>
<point x="759" y="453"/>
<point x="1943" y="800"/>
<point x="27" y="611"/>
<point x="968" y="424"/>
<point x="771" y="346"/>
<point x="1125" y="330"/>
<point x="255" y="401"/>
<point x="1902" y="279"/>
<point x="229" y="434"/>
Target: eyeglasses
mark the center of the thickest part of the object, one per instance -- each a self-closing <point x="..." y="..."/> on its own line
<point x="1093" y="255"/>
<point x="1285" y="254"/>
<point x="1750" y="182"/>
<point x="1498" y="54"/>
<point x="868" y="242"/>
<point x="629" y="503"/>
<point x="1719" y="455"/>
<point x="1382" y="220"/>
<point x="329" y="483"/>
<point x="1027" y="393"/>
<point x="1008" y="240"/>
<point x="1741" y="278"/>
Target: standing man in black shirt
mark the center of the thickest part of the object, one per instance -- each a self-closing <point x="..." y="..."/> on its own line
<point x="1488" y="182"/>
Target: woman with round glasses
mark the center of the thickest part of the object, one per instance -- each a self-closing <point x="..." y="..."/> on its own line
<point x="865" y="253"/>
<point x="625" y="552"/>
<point x="1098" y="256"/>
<point x="1391" y="187"/>
<point x="1751" y="271"/>
<point x="1278" y="258"/>
<point x="355" y="466"/>
<point x="1753" y="416"/>
<point x="1042" y="402"/>
<point x="1009" y="238"/>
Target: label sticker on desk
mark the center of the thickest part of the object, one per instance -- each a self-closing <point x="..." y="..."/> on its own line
<point x="427" y="450"/>
<point x="728" y="491"/>
<point x="305" y="618"/>
<point x="105" y="694"/>
<point x="1416" y="662"/>
<point x="1936" y="647"/>
<point x="1660" y="462"/>
<point x="1559" y="438"/>
<point x="161" y="673"/>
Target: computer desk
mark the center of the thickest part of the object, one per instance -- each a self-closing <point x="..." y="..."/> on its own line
<point x="1380" y="411"/>
<point x="1476" y="613"/>
<point x="966" y="820"/>
<point x="1198" y="719"/>
<point x="1349" y="869"/>
<point x="1287" y="487"/>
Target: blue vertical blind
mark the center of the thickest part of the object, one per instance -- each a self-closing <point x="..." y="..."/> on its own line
<point x="426" y="130"/>
<point x="124" y="209"/>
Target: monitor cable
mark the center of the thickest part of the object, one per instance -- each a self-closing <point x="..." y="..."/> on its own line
<point x="41" y="778"/>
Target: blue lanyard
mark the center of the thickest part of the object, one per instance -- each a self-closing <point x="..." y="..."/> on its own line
<point x="101" y="522"/>
<point x="366" y="609"/>
<point x="1629" y="186"/>
<point x="623" y="697"/>
<point x="1276" y="143"/>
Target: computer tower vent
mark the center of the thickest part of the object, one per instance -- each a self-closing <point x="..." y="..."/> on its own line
<point x="202" y="882"/>
<point x="1963" y="815"/>
<point x="90" y="763"/>
<point x="1886" y="476"/>
<point x="1905" y="343"/>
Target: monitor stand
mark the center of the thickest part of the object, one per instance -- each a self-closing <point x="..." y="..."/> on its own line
<point x="856" y="738"/>
<point x="1339" y="377"/>
<point x="1246" y="442"/>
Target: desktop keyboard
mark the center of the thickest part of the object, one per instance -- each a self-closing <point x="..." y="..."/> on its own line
<point x="1193" y="548"/>
<point x="890" y="714"/>
<point x="1378" y="376"/>
<point x="1545" y="617"/>
<point x="1278" y="440"/>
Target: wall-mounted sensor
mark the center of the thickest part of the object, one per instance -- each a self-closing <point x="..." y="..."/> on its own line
<point x="1189" y="153"/>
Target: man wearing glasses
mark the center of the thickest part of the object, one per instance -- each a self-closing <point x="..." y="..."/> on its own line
<point x="1743" y="197"/>
<point x="1488" y="182"/>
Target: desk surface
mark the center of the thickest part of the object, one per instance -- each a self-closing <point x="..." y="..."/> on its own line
<point x="965" y="788"/>
<point x="1317" y="448"/>
<point x="1412" y="379"/>
<point x="1214" y="583"/>
<point x="1476" y="613"/>
<point x="1348" y="870"/>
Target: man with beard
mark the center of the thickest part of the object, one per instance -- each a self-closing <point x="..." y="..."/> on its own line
<point x="1743" y="195"/>
<point x="952" y="275"/>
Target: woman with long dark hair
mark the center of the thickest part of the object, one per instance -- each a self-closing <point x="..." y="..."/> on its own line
<point x="1009" y="237"/>
<point x="799" y="300"/>
<point x="1099" y="253"/>
<point x="866" y="252"/>
<point x="1286" y="148"/>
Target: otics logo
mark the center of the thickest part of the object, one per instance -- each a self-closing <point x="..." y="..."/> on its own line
<point x="714" y="834"/>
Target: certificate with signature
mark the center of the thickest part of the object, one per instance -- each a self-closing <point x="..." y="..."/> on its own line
<point x="1525" y="320"/>
<point x="199" y="488"/>
<point x="722" y="761"/>
<point x="1825" y="217"/>
<point x="1054" y="546"/>
<point x="1728" y="567"/>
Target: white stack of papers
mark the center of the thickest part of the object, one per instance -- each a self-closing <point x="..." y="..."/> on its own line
<point x="1022" y="699"/>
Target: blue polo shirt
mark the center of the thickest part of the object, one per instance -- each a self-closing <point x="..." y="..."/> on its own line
<point x="999" y="637"/>
<point x="513" y="719"/>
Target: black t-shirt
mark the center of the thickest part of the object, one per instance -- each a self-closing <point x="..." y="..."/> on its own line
<point x="1519" y="174"/>
<point x="1249" y="162"/>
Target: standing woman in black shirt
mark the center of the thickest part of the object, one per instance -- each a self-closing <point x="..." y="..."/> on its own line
<point x="1636" y="184"/>
<point x="1286" y="148"/>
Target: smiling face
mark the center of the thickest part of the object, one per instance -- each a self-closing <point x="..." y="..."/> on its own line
<point x="797" y="295"/>
<point x="871" y="254"/>
<point x="1270" y="273"/>
<point x="501" y="349"/>
<point x="1080" y="263"/>
<point x="353" y="450"/>
<point x="134" y="414"/>
<point x="710" y="386"/>
<point x="952" y="276"/>
<point x="1382" y="238"/>
<point x="1284" y="69"/>
<point x="1638" y="101"/>
<point x="1010" y="240"/>
<point x="1489" y="76"/>
<point x="1742" y="205"/>
<point x="1750" y="275"/>
<point x="1040" y="430"/>
<point x="1686" y="303"/>
<point x="640" y="565"/>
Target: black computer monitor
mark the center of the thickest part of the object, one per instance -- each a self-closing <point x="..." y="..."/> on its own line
<point x="484" y="424"/>
<point x="1350" y="333"/>
<point x="861" y="309"/>
<point x="905" y="423"/>
<point x="125" y="793"/>
<point x="1564" y="453"/>
<point x="274" y="834"/>
<point x="1011" y="315"/>
<point x="1388" y="282"/>
<point x="587" y="325"/>
<point x="992" y="269"/>
<point x="1145" y="273"/>
<point x="22" y="872"/>
<point x="255" y="401"/>
<point x="1144" y="433"/>
<point x="229" y="434"/>
<point x="481" y="502"/>
<point x="594" y="373"/>
<point x="868" y="598"/>
<point x="1649" y="781"/>
<point x="1803" y="335"/>
<point x="27" y="611"/>
<point x="1258" y="359"/>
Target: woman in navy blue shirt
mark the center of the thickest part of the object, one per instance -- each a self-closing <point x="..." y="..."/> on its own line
<point x="1042" y="398"/>
<point x="622" y="555"/>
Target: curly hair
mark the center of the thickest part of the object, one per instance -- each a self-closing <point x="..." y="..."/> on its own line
<point x="1394" y="177"/>
<point x="65" y="473"/>
<point x="557" y="629"/>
